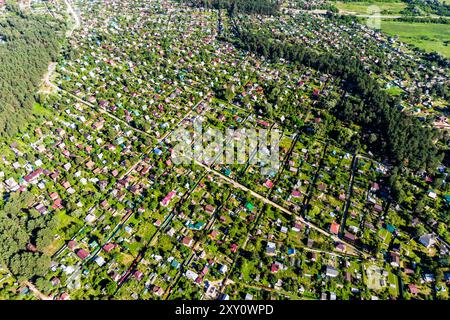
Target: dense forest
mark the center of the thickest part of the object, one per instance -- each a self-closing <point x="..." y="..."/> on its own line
<point x="23" y="234"/>
<point x="27" y="44"/>
<point x="265" y="7"/>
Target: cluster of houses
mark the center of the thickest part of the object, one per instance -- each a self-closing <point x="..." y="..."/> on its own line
<point x="156" y="230"/>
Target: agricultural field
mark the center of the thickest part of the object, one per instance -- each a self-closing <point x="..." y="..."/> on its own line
<point x="367" y="7"/>
<point x="430" y="37"/>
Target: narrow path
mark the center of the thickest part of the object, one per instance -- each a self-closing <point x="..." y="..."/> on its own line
<point x="36" y="291"/>
<point x="267" y="201"/>
<point x="75" y="18"/>
<point x="349" y="194"/>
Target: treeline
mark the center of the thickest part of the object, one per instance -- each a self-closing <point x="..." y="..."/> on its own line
<point x="439" y="20"/>
<point x="27" y="44"/>
<point x="402" y="139"/>
<point x="263" y="7"/>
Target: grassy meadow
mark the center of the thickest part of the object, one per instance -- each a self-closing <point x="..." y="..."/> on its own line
<point x="426" y="36"/>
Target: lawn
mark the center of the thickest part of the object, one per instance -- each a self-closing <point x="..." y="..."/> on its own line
<point x="38" y="109"/>
<point x="426" y="36"/>
<point x="395" y="91"/>
<point x="393" y="284"/>
<point x="385" y="7"/>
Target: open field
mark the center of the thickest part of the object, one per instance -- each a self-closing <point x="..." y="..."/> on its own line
<point x="386" y="7"/>
<point x="429" y="37"/>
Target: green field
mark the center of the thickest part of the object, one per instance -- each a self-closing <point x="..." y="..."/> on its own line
<point x="429" y="37"/>
<point x="386" y="7"/>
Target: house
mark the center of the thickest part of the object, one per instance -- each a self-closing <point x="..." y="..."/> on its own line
<point x="428" y="277"/>
<point x="210" y="209"/>
<point x="340" y="247"/>
<point x="297" y="227"/>
<point x="274" y="268"/>
<point x="138" y="275"/>
<point x="57" y="204"/>
<point x="55" y="281"/>
<point x="54" y="196"/>
<point x="224" y="297"/>
<point x="249" y="206"/>
<point x="115" y="276"/>
<point x="378" y="208"/>
<point x="72" y="245"/>
<point x="64" y="296"/>
<point x="349" y="236"/>
<point x="395" y="259"/>
<point x="108" y="247"/>
<point x="296" y="194"/>
<point x="427" y="240"/>
<point x="413" y="289"/>
<point x="223" y="269"/>
<point x="32" y="177"/>
<point x="158" y="291"/>
<point x="82" y="254"/>
<point x="214" y="234"/>
<point x="191" y="275"/>
<point x="90" y="218"/>
<point x="90" y="164"/>
<point x="187" y="241"/>
<point x="331" y="272"/>
<point x="268" y="184"/>
<point x="31" y="247"/>
<point x="270" y="249"/>
<point x="164" y="202"/>
<point x="334" y="227"/>
<point x="104" y="204"/>
<point x="41" y="208"/>
<point x="12" y="185"/>
<point x="175" y="264"/>
<point x="65" y="184"/>
<point x="264" y="123"/>
<point x="100" y="261"/>
<point x="157" y="223"/>
<point x="98" y="125"/>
